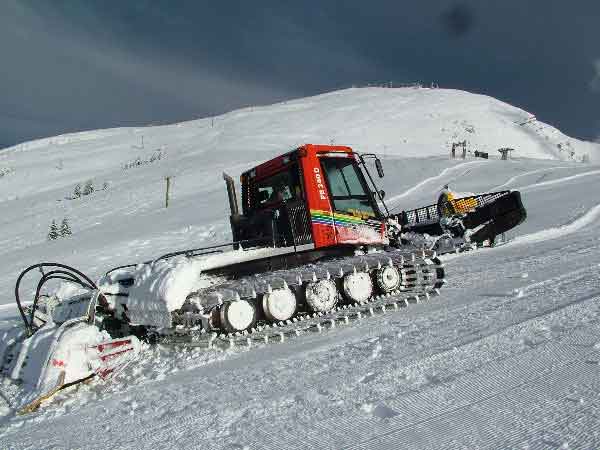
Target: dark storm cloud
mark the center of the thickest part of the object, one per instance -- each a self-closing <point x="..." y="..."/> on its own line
<point x="74" y="64"/>
<point x="458" y="20"/>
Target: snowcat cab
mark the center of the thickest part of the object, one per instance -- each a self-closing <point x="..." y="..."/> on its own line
<point x="313" y="198"/>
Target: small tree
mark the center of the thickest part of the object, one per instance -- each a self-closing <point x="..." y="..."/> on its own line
<point x="89" y="187"/>
<point x="77" y="191"/>
<point x="53" y="233"/>
<point x="65" y="229"/>
<point x="105" y="186"/>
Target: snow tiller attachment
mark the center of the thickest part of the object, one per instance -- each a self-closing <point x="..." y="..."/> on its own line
<point x="456" y="222"/>
<point x="61" y="343"/>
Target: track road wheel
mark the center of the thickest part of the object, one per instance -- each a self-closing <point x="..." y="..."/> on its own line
<point x="387" y="279"/>
<point x="358" y="287"/>
<point x="238" y="315"/>
<point x="321" y="295"/>
<point x="279" y="305"/>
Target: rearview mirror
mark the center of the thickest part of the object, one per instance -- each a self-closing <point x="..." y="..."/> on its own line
<point x="382" y="193"/>
<point x="379" y="167"/>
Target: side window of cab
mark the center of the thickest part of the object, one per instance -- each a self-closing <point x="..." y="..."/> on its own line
<point x="274" y="190"/>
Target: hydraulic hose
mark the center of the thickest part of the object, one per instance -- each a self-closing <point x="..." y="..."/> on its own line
<point x="64" y="272"/>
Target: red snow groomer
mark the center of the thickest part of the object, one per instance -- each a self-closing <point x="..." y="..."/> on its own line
<point x="313" y="245"/>
<point x="315" y="197"/>
<point x="324" y="196"/>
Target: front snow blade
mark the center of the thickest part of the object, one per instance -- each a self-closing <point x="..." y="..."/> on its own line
<point x="78" y="357"/>
<point x="67" y="350"/>
<point x="35" y="404"/>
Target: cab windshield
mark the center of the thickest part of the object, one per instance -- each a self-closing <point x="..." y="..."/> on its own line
<point x="347" y="187"/>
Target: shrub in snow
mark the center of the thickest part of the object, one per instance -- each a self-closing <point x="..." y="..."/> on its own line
<point x="5" y="171"/>
<point x="53" y="233"/>
<point x="138" y="161"/>
<point x="56" y="232"/>
<point x="89" y="188"/>
<point x="65" y="229"/>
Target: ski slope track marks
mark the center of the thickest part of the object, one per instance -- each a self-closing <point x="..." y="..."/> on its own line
<point x="511" y="180"/>
<point x="591" y="217"/>
<point x="559" y="180"/>
<point x="444" y="177"/>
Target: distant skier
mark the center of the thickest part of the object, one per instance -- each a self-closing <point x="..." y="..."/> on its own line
<point x="447" y="211"/>
<point x="445" y="207"/>
<point x="451" y="204"/>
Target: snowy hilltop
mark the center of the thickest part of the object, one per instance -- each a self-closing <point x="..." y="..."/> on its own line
<point x="410" y="122"/>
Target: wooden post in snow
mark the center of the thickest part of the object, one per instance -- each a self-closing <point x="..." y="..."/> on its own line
<point x="167" y="192"/>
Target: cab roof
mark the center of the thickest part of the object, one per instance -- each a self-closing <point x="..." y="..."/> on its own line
<point x="274" y="165"/>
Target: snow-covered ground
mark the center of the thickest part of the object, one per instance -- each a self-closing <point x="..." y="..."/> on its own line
<point x="507" y="357"/>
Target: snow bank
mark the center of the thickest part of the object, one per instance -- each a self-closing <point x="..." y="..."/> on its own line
<point x="161" y="288"/>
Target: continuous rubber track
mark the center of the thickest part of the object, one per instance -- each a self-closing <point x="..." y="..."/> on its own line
<point x="302" y="323"/>
<point x="422" y="276"/>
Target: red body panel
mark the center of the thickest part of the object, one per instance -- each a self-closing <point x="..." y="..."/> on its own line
<point x="317" y="194"/>
<point x="328" y="226"/>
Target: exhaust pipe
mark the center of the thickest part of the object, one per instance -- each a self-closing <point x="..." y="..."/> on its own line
<point x="234" y="218"/>
<point x="233" y="205"/>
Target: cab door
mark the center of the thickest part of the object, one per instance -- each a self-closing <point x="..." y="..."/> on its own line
<point x="356" y="218"/>
<point x="278" y="208"/>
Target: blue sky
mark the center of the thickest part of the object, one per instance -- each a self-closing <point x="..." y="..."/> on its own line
<point x="75" y="65"/>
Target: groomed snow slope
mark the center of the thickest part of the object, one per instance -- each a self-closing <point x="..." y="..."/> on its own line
<point x="507" y="357"/>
